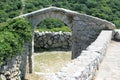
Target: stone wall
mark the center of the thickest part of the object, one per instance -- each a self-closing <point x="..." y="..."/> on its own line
<point x="11" y="70"/>
<point x="52" y="41"/>
<point x="15" y="69"/>
<point x="84" y="66"/>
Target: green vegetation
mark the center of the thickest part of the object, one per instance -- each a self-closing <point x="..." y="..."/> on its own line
<point x="9" y="9"/>
<point x="13" y="35"/>
<point x="105" y="9"/>
<point x="55" y="60"/>
<point x="62" y="28"/>
<point x="52" y="24"/>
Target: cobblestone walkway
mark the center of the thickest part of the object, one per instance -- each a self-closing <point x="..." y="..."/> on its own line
<point x="110" y="67"/>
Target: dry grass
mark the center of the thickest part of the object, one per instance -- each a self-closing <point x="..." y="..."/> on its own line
<point x="34" y="77"/>
<point x="49" y="62"/>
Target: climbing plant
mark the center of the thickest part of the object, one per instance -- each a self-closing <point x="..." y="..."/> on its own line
<point x="13" y="35"/>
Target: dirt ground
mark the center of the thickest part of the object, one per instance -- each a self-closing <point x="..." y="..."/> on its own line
<point x="48" y="62"/>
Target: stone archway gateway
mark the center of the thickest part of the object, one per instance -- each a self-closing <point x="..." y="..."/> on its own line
<point x="84" y="28"/>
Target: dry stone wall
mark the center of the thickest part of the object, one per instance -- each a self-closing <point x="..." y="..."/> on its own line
<point x="11" y="70"/>
<point x="52" y="41"/>
<point x="85" y="66"/>
<point x="15" y="69"/>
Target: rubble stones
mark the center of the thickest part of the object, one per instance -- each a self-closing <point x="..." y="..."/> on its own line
<point x="11" y="71"/>
<point x="52" y="40"/>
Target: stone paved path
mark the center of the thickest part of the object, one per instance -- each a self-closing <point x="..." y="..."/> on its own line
<point x="110" y="67"/>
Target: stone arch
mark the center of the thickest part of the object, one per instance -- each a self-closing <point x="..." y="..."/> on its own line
<point x="50" y="13"/>
<point x="57" y="15"/>
<point x="84" y="28"/>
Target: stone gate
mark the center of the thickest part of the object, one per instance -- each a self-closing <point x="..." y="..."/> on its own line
<point x="84" y="28"/>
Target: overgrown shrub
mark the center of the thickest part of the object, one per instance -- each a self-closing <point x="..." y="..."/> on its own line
<point x="13" y="35"/>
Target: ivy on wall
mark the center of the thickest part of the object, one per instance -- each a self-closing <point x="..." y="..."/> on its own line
<point x="13" y="35"/>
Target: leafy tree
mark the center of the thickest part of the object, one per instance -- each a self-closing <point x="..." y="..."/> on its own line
<point x="105" y="9"/>
<point x="8" y="7"/>
<point x="3" y="16"/>
<point x="91" y="3"/>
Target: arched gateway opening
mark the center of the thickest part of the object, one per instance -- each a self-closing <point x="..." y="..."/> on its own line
<point x="46" y="14"/>
<point x="52" y="34"/>
<point x="52" y="46"/>
<point x="84" y="28"/>
<point x="56" y="15"/>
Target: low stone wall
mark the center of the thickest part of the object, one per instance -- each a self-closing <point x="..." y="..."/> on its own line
<point x="52" y="40"/>
<point x="84" y="67"/>
<point x="15" y="69"/>
<point x="11" y="70"/>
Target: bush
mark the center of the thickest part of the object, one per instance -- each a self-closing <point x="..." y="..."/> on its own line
<point x="9" y="9"/>
<point x="14" y="34"/>
<point x="51" y="23"/>
<point x="63" y="29"/>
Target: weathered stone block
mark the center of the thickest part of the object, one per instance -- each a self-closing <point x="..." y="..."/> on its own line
<point x="117" y="35"/>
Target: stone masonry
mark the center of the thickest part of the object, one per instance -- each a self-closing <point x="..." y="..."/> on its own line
<point x="85" y="66"/>
<point x="86" y="57"/>
<point x="117" y="35"/>
<point x="11" y="71"/>
<point x="52" y="41"/>
<point x="15" y="69"/>
<point x="85" y="28"/>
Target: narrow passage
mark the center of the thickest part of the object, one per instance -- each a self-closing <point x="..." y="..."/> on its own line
<point x="110" y="67"/>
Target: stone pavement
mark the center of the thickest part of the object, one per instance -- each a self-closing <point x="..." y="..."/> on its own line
<point x="110" y="67"/>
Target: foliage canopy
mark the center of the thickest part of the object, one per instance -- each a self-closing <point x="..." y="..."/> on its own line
<point x="52" y="24"/>
<point x="9" y="9"/>
<point x="13" y="35"/>
<point x="105" y="9"/>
